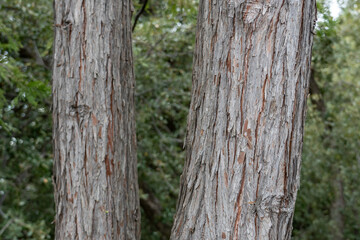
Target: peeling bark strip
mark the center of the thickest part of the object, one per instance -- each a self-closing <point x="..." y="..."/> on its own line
<point x="96" y="191"/>
<point x="246" y="120"/>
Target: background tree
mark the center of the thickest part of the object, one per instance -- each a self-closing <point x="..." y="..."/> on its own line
<point x="95" y="169"/>
<point x="246" y="119"/>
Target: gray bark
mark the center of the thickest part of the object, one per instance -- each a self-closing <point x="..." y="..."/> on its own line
<point x="246" y="120"/>
<point x="96" y="191"/>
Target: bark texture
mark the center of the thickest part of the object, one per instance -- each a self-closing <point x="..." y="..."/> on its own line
<point x="246" y="120"/>
<point x="95" y="169"/>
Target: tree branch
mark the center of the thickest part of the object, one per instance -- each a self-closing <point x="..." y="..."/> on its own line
<point x="139" y="14"/>
<point x="6" y="226"/>
<point x="314" y="90"/>
<point x="30" y="51"/>
<point x="152" y="208"/>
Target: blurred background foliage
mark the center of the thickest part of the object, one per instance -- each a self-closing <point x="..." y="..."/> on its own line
<point x="328" y="205"/>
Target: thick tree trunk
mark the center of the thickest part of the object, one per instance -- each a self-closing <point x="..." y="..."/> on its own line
<point x="246" y="120"/>
<point x="96" y="191"/>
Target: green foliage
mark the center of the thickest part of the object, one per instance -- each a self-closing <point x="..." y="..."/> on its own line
<point x="26" y="200"/>
<point x="163" y="47"/>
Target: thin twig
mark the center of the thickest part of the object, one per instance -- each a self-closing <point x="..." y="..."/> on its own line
<point x="162" y="37"/>
<point x="139" y="14"/>
<point x="6" y="226"/>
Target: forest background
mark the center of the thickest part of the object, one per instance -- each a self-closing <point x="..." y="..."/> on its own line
<point x="328" y="204"/>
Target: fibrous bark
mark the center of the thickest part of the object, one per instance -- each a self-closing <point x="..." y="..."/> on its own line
<point x="96" y="191"/>
<point x="246" y="120"/>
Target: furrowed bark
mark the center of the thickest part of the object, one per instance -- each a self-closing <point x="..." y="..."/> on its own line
<point x="246" y="120"/>
<point x="96" y="191"/>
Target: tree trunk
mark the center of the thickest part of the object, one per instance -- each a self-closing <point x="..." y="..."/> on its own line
<point x="338" y="207"/>
<point x="96" y="191"/>
<point x="246" y="120"/>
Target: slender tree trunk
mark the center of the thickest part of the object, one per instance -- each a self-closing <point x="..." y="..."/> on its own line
<point x="338" y="207"/>
<point x="96" y="191"/>
<point x="246" y="120"/>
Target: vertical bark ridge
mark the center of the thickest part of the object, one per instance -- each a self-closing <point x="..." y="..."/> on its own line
<point x="95" y="170"/>
<point x="246" y="119"/>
